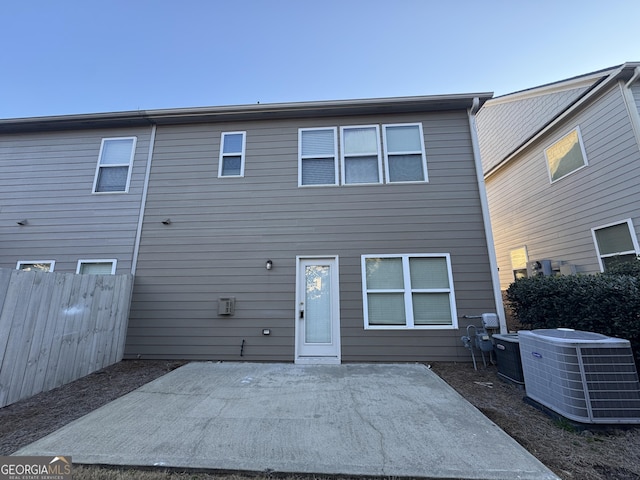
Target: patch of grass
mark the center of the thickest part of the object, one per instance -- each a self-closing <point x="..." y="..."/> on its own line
<point x="565" y="425"/>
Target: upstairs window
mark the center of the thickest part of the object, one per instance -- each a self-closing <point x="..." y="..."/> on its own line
<point x="232" y="147"/>
<point x="318" y="163"/>
<point x="408" y="291"/>
<point x="361" y="154"/>
<point x="615" y="243"/>
<point x="97" y="267"/>
<point x="114" y="165"/>
<point x="36" y="265"/>
<point x="404" y="156"/>
<point x="566" y="155"/>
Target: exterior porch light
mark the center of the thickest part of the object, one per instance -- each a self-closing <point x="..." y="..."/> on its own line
<point x="269" y="265"/>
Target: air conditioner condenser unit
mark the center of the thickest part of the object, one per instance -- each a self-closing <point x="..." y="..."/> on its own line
<point x="583" y="376"/>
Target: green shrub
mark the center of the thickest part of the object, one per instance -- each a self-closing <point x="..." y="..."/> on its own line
<point x="604" y="303"/>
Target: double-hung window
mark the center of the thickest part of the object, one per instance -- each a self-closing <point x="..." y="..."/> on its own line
<point x="404" y="156"/>
<point x="36" y="265"/>
<point x="361" y="154"/>
<point x="408" y="292"/>
<point x="97" y="267"/>
<point x="232" y="147"/>
<point x="566" y="155"/>
<point x="113" y="173"/>
<point x="615" y="243"/>
<point x="318" y="156"/>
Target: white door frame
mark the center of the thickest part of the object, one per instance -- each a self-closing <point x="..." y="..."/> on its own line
<point x="332" y="353"/>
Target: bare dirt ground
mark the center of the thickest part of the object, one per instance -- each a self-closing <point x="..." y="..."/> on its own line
<point x="571" y="454"/>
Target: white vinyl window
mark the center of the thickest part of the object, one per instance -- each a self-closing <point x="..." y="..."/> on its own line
<point x="232" y="148"/>
<point x="360" y="154"/>
<point x="403" y="291"/>
<point x="519" y="259"/>
<point x="317" y="155"/>
<point x="566" y="155"/>
<point x="615" y="243"/>
<point x="404" y="155"/>
<point x="113" y="172"/>
<point x="97" y="266"/>
<point x="36" y="265"/>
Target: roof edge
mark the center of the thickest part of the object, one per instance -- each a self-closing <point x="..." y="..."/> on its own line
<point x="623" y="72"/>
<point x="243" y="112"/>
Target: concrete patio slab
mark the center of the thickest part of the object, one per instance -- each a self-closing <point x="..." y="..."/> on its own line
<point x="389" y="420"/>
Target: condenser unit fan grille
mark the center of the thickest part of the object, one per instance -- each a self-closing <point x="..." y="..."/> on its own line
<point x="612" y="382"/>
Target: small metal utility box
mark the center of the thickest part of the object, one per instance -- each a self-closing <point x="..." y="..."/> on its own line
<point x="226" y="306"/>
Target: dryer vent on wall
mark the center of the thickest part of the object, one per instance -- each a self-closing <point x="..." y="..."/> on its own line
<point x="583" y="376"/>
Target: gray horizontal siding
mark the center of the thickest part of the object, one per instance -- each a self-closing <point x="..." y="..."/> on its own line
<point x="555" y="220"/>
<point x="47" y="178"/>
<point x="224" y="229"/>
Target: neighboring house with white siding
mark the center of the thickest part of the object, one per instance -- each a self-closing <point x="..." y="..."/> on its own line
<point x="314" y="232"/>
<point x="562" y="171"/>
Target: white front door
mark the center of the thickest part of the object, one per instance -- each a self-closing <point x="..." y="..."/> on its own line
<point x="317" y="311"/>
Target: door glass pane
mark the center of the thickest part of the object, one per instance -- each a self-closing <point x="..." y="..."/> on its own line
<point x="384" y="273"/>
<point x="614" y="239"/>
<point x="386" y="309"/>
<point x="318" y="171"/>
<point x="405" y="168"/>
<point x="317" y="315"/>
<point x="361" y="170"/>
<point x="404" y="138"/>
<point x="431" y="309"/>
<point x="428" y="273"/>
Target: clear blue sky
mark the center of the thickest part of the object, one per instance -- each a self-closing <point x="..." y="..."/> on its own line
<point x="85" y="56"/>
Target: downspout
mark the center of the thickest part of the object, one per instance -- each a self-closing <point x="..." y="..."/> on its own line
<point x="484" y="204"/>
<point x="630" y="104"/>
<point x="143" y="202"/>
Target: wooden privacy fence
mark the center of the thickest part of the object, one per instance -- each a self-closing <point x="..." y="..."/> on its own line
<point x="58" y="327"/>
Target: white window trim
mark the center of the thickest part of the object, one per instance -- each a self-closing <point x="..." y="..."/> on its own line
<point x="335" y="156"/>
<point x="344" y="156"/>
<point x="422" y="152"/>
<point x="408" y="304"/>
<point x="52" y="263"/>
<point x="129" y="165"/>
<point x="113" y="261"/>
<point x="235" y="154"/>
<point x="584" y="154"/>
<point x="634" y="240"/>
